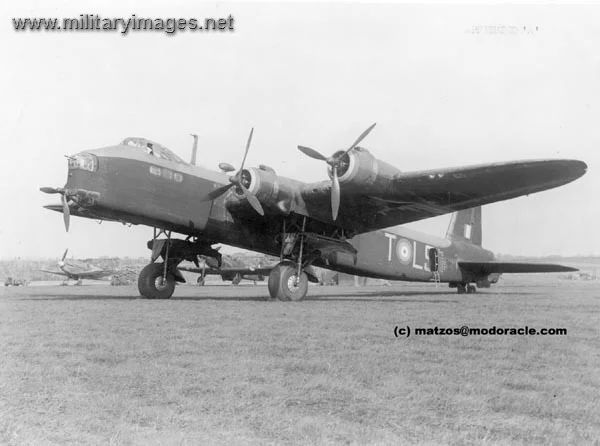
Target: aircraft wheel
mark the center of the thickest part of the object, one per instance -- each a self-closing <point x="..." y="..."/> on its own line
<point x="291" y="287"/>
<point x="471" y="289"/>
<point x="201" y="281"/>
<point x="461" y="288"/>
<point x="151" y="284"/>
<point x="273" y="282"/>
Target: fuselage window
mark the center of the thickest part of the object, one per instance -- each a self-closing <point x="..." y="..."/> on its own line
<point x="155" y="170"/>
<point x="178" y="177"/>
<point x="167" y="174"/>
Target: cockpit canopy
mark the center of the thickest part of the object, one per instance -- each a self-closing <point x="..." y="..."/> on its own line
<point x="152" y="148"/>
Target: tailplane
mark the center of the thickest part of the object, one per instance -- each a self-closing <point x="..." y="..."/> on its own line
<point x="465" y="226"/>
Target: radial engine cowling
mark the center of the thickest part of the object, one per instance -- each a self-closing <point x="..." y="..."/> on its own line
<point x="271" y="190"/>
<point x="362" y="169"/>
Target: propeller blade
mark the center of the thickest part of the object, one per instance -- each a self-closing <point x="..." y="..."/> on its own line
<point x="51" y="190"/>
<point x="66" y="211"/>
<point x="217" y="192"/>
<point x="247" y="148"/>
<point x="361" y="137"/>
<point x="335" y="194"/>
<point x="312" y="153"/>
<point x="252" y="200"/>
<point x="64" y="255"/>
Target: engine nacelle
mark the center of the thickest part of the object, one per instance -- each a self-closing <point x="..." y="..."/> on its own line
<point x="361" y="168"/>
<point x="271" y="190"/>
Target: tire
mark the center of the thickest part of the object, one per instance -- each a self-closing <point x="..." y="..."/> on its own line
<point x="273" y="282"/>
<point x="461" y="288"/>
<point x="471" y="289"/>
<point x="292" y="288"/>
<point x="200" y="281"/>
<point x="149" y="282"/>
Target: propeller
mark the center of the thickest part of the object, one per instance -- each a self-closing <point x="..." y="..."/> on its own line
<point x="62" y="261"/>
<point x="52" y="190"/>
<point x="66" y="211"/>
<point x="236" y="180"/>
<point x="335" y="162"/>
<point x="63" y="199"/>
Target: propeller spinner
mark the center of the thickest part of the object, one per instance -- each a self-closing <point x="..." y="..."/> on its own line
<point x="236" y="180"/>
<point x="335" y="162"/>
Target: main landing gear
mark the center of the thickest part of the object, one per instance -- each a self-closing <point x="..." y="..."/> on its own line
<point x="157" y="280"/>
<point x="288" y="281"/>
<point x="467" y="288"/>
<point x="153" y="283"/>
<point x="285" y="284"/>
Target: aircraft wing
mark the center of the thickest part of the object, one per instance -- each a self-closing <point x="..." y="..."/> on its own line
<point x="485" y="268"/>
<point x="93" y="274"/>
<point x="413" y="196"/>
<point x="229" y="270"/>
<point x="60" y="273"/>
<point x="207" y="271"/>
<point x="82" y="274"/>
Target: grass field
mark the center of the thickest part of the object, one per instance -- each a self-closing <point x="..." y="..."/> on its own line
<point x="216" y="365"/>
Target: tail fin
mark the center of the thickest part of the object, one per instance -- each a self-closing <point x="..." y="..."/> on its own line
<point x="465" y="226"/>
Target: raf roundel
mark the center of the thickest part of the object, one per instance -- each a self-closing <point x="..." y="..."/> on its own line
<point x="404" y="251"/>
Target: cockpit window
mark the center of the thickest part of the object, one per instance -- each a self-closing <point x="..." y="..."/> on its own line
<point x="152" y="148"/>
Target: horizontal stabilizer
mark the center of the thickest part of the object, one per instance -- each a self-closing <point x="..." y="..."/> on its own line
<point x="485" y="268"/>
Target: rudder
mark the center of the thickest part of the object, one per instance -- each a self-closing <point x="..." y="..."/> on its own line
<point x="465" y="226"/>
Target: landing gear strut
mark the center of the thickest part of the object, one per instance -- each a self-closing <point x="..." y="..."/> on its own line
<point x="156" y="281"/>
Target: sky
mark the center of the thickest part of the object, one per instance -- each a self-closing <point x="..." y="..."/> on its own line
<point x="447" y="86"/>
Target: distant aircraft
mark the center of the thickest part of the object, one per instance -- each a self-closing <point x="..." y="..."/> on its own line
<point x="338" y="224"/>
<point x="231" y="269"/>
<point x="78" y="270"/>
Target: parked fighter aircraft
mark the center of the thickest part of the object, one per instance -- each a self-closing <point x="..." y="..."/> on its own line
<point x="336" y="224"/>
<point x="78" y="270"/>
<point x="230" y="269"/>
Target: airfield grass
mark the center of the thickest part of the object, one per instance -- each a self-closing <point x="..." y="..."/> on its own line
<point x="216" y="365"/>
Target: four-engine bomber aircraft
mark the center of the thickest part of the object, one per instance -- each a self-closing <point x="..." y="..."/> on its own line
<point x="78" y="270"/>
<point x="337" y="224"/>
